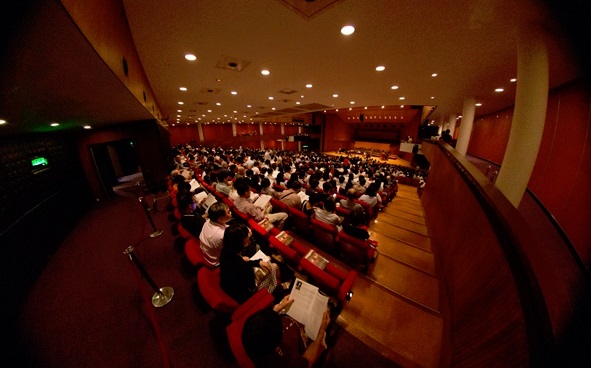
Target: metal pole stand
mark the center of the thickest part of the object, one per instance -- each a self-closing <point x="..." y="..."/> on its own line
<point x="162" y="296"/>
<point x="156" y="232"/>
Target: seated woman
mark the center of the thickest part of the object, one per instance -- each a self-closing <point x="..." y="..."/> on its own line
<point x="274" y="340"/>
<point x="237" y="273"/>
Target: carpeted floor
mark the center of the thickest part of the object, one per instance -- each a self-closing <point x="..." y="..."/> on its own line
<point x="87" y="308"/>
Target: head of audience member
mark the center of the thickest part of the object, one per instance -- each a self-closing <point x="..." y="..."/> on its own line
<point x="242" y="188"/>
<point x="265" y="183"/>
<point x="296" y="186"/>
<point x="356" y="217"/>
<point x="185" y="201"/>
<point x="330" y="205"/>
<point x="371" y="191"/>
<point x="219" y="212"/>
<point x="280" y="178"/>
<point x="236" y="237"/>
<point x="184" y="186"/>
<point x="262" y="334"/>
<point x="326" y="187"/>
<point x="351" y="193"/>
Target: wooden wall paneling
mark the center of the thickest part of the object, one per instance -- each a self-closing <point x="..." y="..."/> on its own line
<point x="483" y="248"/>
<point x="542" y="166"/>
<point x="290" y="146"/>
<point x="291" y="130"/>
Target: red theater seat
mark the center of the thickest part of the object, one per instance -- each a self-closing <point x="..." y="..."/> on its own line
<point x="325" y="235"/>
<point x="356" y="252"/>
<point x="262" y="299"/>
<point x="209" y="286"/>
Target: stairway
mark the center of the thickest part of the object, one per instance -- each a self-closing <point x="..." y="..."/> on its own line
<point x="396" y="306"/>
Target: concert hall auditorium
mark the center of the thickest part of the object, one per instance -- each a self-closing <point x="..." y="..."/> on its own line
<point x="295" y="183"/>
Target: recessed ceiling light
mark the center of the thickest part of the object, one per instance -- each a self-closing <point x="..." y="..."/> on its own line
<point x="183" y="88"/>
<point x="335" y="95"/>
<point x="499" y="89"/>
<point x="54" y="124"/>
<point x="432" y="97"/>
<point x="434" y="75"/>
<point x="352" y="102"/>
<point x="208" y="110"/>
<point x="2" y="121"/>
<point x="401" y="105"/>
<point x="383" y="106"/>
<point x="402" y="98"/>
<point x="297" y="102"/>
<point x="394" y="87"/>
<point x="178" y="116"/>
<point x="248" y="106"/>
<point x="265" y="72"/>
<point x="272" y="108"/>
<point x="513" y="80"/>
<point x="271" y="98"/>
<point x="302" y="96"/>
<point x="350" y="108"/>
<point x="347" y="30"/>
<point x="87" y="127"/>
<point x="179" y="111"/>
<point x="190" y="57"/>
<point x="218" y="80"/>
<point x="478" y="104"/>
<point x="218" y="104"/>
<point x="172" y="124"/>
<point x="308" y="85"/>
<point x="234" y="92"/>
<point x="365" y="107"/>
<point x="181" y="103"/>
<point x="380" y="68"/>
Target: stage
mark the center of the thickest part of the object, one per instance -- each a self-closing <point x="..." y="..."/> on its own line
<point x="398" y="161"/>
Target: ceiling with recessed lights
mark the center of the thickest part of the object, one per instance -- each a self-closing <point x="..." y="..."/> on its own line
<point x="264" y="60"/>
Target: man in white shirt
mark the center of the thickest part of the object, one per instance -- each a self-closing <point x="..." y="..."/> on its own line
<point x="244" y="204"/>
<point x="212" y="234"/>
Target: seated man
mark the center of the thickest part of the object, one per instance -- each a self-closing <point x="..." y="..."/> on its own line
<point x="266" y="188"/>
<point x="224" y="185"/>
<point x="350" y="203"/>
<point x="212" y="234"/>
<point x="290" y="197"/>
<point x="328" y="215"/>
<point x="190" y="220"/>
<point x="244" y="204"/>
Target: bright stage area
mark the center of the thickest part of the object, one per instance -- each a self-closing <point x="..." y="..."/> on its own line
<point x="398" y="161"/>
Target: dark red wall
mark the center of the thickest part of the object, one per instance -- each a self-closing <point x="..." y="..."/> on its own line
<point x="561" y="178"/>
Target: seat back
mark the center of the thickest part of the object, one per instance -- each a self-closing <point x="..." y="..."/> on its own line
<point x="290" y="255"/>
<point x="177" y="213"/>
<point x="354" y="251"/>
<point x="279" y="206"/>
<point x="262" y="299"/>
<point x="344" y="212"/>
<point x="194" y="254"/>
<point x="324" y="234"/>
<point x="301" y="222"/>
<point x="209" y="286"/>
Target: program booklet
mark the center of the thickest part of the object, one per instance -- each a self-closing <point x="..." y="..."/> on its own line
<point x="308" y="307"/>
<point x="266" y="224"/>
<point x="194" y="185"/>
<point x="260" y="273"/>
<point x="285" y="238"/>
<point x="209" y="201"/>
<point x="316" y="259"/>
<point x="262" y="200"/>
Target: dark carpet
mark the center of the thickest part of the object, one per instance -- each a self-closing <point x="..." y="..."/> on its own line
<point x="88" y="309"/>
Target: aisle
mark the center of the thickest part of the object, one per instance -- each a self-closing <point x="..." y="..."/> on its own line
<point x="395" y="308"/>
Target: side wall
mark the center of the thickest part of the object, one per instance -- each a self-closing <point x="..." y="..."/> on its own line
<point x="562" y="175"/>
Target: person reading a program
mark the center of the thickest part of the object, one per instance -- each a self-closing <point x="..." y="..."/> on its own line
<point x="274" y="339"/>
<point x="237" y="272"/>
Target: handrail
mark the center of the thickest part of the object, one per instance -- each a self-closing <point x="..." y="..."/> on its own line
<point x="514" y="238"/>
